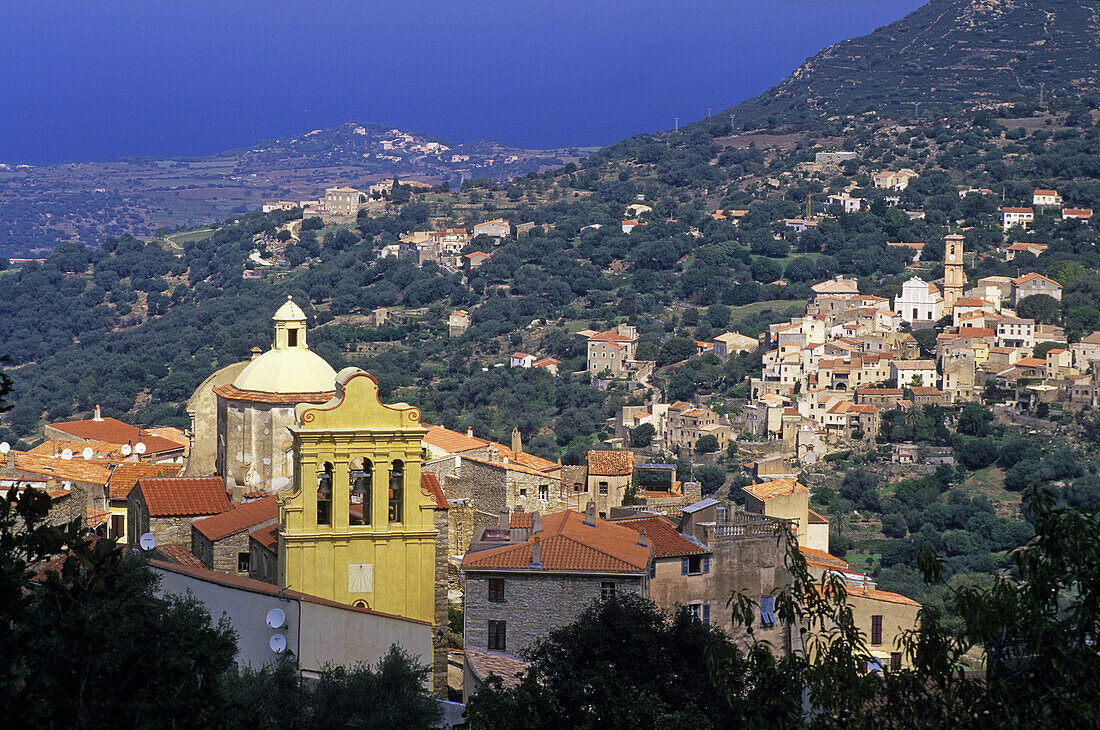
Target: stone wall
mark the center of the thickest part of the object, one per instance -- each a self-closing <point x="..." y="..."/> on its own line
<point x="534" y="603"/>
<point x="221" y="555"/>
<point x="262" y="563"/>
<point x="439" y="636"/>
<point x="254" y="444"/>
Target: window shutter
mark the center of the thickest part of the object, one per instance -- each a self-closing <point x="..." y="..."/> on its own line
<point x="706" y="613"/>
<point x="706" y="564"/>
<point x="684" y="566"/>
<point x="767" y="611"/>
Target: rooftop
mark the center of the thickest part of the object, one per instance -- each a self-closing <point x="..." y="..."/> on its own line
<point x="774" y="488"/>
<point x="185" y="496"/>
<point x="240" y="518"/>
<point x="663" y="536"/>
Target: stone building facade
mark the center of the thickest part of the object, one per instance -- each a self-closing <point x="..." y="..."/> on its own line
<point x="222" y="542"/>
<point x="167" y="506"/>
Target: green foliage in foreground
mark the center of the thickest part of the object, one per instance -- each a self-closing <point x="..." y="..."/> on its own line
<point x="88" y="643"/>
<point x="626" y="664"/>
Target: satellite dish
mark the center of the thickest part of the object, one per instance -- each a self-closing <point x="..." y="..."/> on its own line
<point x="148" y="541"/>
<point x="67" y="454"/>
<point x="126" y="450"/>
<point x="277" y="642"/>
<point x="87" y="453"/>
<point x="276" y="619"/>
<point x="139" y="448"/>
<point x="5" y="447"/>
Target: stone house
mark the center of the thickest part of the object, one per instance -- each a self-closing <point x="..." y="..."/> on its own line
<point x="609" y="475"/>
<point x="497" y="228"/>
<point x="263" y="551"/>
<point x="613" y="350"/>
<point x="458" y="322"/>
<point x="167" y="506"/>
<point x="121" y="483"/>
<point x="221" y="542"/>
<point x="732" y="343"/>
<point x="473" y="260"/>
<point x="1032" y="284"/>
<point x="522" y="583"/>
<point x="687" y="424"/>
<point x="785" y="499"/>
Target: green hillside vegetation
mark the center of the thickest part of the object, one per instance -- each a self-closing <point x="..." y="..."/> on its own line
<point x="947" y="55"/>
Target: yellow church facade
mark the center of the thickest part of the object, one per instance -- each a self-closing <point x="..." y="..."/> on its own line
<point x="356" y="527"/>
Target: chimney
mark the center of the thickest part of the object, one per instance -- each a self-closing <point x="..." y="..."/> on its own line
<point x="536" y="522"/>
<point x="505" y="519"/>
<point x="256" y="352"/>
<point x="536" y="554"/>
<point x="641" y="538"/>
<point x="590" y="514"/>
<point x="238" y="494"/>
<point x="865" y="585"/>
<point x="469" y="432"/>
<point x="98" y="416"/>
<point x="517" y="441"/>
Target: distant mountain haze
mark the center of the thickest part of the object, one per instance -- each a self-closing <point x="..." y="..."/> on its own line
<point x="116" y="78"/>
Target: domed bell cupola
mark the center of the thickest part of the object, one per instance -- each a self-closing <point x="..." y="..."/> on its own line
<point x="290" y="327"/>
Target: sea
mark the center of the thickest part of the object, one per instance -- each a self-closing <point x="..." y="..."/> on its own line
<point x="112" y="78"/>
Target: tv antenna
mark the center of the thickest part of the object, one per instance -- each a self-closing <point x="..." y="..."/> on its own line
<point x="708" y="113"/>
<point x="916" y="109"/>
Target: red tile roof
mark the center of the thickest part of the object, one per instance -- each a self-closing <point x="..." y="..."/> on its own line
<point x="610" y="463"/>
<point x="429" y="484"/>
<point x="521" y="520"/>
<point x="817" y="519"/>
<point x="115" y="431"/>
<point x="453" y="442"/>
<point x="820" y="556"/>
<point x="267" y="536"/>
<point x="242" y="517"/>
<point x="77" y="470"/>
<point x="661" y="533"/>
<point x="774" y="488"/>
<point x="567" y="544"/>
<point x="126" y="475"/>
<point x="484" y="664"/>
<point x="185" y="496"/>
<point x="176" y="553"/>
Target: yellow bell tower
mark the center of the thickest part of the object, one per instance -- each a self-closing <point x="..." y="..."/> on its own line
<point x="356" y="527"/>
<point x="954" y="278"/>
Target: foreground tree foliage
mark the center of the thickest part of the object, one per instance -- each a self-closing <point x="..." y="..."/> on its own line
<point x="86" y="642"/>
<point x="1032" y="629"/>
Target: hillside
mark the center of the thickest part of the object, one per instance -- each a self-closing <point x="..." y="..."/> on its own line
<point x="947" y="54"/>
<point x="86" y="202"/>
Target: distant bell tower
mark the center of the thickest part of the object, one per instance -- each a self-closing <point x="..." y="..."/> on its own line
<point x="954" y="279"/>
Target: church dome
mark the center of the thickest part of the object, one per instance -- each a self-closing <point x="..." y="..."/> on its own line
<point x="289" y="366"/>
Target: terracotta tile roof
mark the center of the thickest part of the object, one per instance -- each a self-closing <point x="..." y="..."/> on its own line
<point x="1010" y="209"/>
<point x="114" y="431"/>
<point x="546" y="361"/>
<point x="925" y="390"/>
<point x="450" y="441"/>
<point x="611" y="336"/>
<point x="95" y="517"/>
<point x="610" y="463"/>
<point x="1045" y="192"/>
<point x="257" y="586"/>
<point x="184" y="496"/>
<point x="484" y="664"/>
<point x="521" y="520"/>
<point x="817" y="519"/>
<point x="429" y="484"/>
<point x="126" y="475"/>
<point x="254" y="396"/>
<point x="242" y="517"/>
<point x="1030" y="362"/>
<point x="1032" y="277"/>
<point x="663" y="536"/>
<point x="76" y="470"/>
<point x="170" y="433"/>
<point x="100" y="449"/>
<point x="567" y="544"/>
<point x="820" y="556"/>
<point x="509" y="465"/>
<point x="774" y="488"/>
<point x="267" y="536"/>
<point x="877" y="595"/>
<point x="180" y="554"/>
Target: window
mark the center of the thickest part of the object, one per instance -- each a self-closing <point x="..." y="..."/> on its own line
<point x="695" y="565"/>
<point x="397" y="490"/>
<point x="360" y="477"/>
<point x="324" y="496"/>
<point x="767" y="611"/>
<point x="876" y="630"/>
<point x="895" y="660"/>
<point x="603" y="488"/>
<point x="653" y="569"/>
<point x="607" y="590"/>
<point x="544" y="492"/>
<point x="242" y="562"/>
<point x="118" y="525"/>
<point x="497" y="632"/>
<point x="699" y="611"/>
<point x="292" y="338"/>
<point x="523" y="491"/>
<point x="496" y="590"/>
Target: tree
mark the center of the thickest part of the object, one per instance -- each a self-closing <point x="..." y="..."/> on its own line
<point x="677" y="349"/>
<point x="642" y="436"/>
<point x="710" y="478"/>
<point x="707" y="444"/>
<point x="975" y="420"/>
<point x="622" y="664"/>
<point x="1040" y="307"/>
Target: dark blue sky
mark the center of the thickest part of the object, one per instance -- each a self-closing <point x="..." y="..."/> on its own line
<point x="99" y="80"/>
